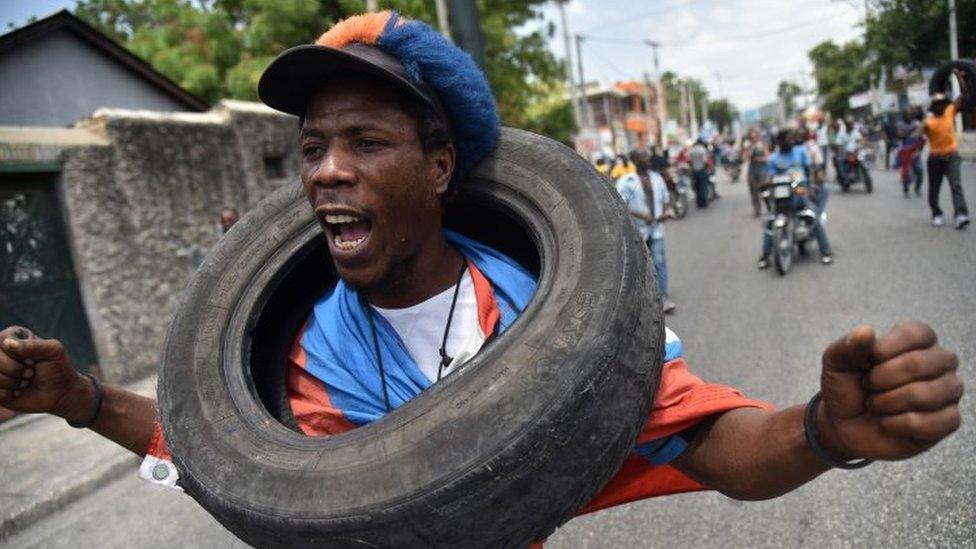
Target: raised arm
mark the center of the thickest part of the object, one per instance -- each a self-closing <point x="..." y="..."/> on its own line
<point x="36" y="377"/>
<point x="888" y="398"/>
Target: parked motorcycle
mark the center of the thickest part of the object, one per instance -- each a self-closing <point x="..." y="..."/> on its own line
<point x="792" y="229"/>
<point x="678" y="181"/>
<point x="856" y="163"/>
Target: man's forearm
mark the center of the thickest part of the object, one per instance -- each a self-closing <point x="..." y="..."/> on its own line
<point x="125" y="418"/>
<point x="752" y="454"/>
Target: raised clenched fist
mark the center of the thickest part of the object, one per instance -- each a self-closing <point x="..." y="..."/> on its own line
<point x="888" y="397"/>
<point x="36" y="376"/>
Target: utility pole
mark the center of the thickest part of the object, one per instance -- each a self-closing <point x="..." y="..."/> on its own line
<point x="694" y="115"/>
<point x="704" y="110"/>
<point x="442" y="19"/>
<point x="573" y="90"/>
<point x="465" y="23"/>
<point x="953" y="39"/>
<point x="647" y="107"/>
<point x="584" y="102"/>
<point x="682" y="104"/>
<point x="662" y="114"/>
<point x="371" y="5"/>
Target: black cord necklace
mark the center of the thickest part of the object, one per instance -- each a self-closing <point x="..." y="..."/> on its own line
<point x="446" y="359"/>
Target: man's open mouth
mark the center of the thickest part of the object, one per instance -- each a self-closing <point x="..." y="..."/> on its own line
<point x="347" y="231"/>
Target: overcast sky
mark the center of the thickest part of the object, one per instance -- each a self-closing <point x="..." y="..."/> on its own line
<point x="752" y="44"/>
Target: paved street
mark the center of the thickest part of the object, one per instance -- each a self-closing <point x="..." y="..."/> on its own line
<point x="752" y="329"/>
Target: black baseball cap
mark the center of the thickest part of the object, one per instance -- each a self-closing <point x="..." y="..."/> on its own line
<point x="288" y="82"/>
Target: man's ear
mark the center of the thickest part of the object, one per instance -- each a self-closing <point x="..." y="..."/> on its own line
<point x="442" y="166"/>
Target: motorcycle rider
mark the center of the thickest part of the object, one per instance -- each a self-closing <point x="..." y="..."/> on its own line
<point x="815" y="174"/>
<point x="788" y="158"/>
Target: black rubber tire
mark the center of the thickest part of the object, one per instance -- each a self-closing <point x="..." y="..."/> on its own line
<point x="783" y="255"/>
<point x="680" y="203"/>
<point x="497" y="455"/>
<point x="939" y="83"/>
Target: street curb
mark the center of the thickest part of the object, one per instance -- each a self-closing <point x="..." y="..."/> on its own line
<point x="48" y="465"/>
<point x="25" y="517"/>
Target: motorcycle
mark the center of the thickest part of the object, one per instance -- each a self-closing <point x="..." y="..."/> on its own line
<point x="732" y="162"/>
<point x="792" y="229"/>
<point x="856" y="163"/>
<point x="678" y="181"/>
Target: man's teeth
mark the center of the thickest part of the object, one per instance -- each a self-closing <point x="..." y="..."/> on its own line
<point x="337" y="219"/>
<point x="343" y="245"/>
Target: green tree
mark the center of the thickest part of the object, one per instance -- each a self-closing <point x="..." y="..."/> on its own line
<point x="219" y="48"/>
<point x="787" y="92"/>
<point x="674" y="86"/>
<point x="723" y="113"/>
<point x="840" y="71"/>
<point x="915" y="33"/>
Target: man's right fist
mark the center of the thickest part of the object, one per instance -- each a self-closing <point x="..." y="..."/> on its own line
<point x="36" y="377"/>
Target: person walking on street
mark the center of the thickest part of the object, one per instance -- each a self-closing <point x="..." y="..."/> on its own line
<point x="646" y="194"/>
<point x="817" y="175"/>
<point x="841" y="139"/>
<point x="909" y="155"/>
<point x="823" y="141"/>
<point x="944" y="156"/>
<point x="758" y="155"/>
<point x="890" y="129"/>
<point x="698" y="159"/>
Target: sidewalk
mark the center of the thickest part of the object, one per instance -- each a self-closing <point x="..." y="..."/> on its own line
<point x="45" y="465"/>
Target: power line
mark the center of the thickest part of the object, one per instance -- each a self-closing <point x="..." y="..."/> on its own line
<point x="739" y="38"/>
<point x="640" y="16"/>
<point x="608" y="63"/>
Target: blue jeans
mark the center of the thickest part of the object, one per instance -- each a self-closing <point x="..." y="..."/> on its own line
<point x="823" y="193"/>
<point x="656" y="246"/>
<point x="840" y="166"/>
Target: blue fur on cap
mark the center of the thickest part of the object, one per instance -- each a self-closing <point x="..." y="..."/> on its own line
<point x="457" y="80"/>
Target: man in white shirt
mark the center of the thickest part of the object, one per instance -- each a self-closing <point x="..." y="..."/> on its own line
<point x="648" y="220"/>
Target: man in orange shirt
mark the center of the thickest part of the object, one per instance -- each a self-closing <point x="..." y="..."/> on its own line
<point x="944" y="156"/>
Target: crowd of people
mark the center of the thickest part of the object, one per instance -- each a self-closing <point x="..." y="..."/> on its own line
<point x="649" y="177"/>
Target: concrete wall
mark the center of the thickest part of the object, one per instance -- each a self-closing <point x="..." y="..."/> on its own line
<point x="142" y="209"/>
<point x="59" y="79"/>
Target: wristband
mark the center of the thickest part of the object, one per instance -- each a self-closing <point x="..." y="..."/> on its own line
<point x="99" y="395"/>
<point x="810" y="431"/>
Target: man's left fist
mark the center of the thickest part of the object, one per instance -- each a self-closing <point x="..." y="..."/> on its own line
<point x="888" y="397"/>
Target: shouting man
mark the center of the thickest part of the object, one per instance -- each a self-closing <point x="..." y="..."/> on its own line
<point x="393" y="117"/>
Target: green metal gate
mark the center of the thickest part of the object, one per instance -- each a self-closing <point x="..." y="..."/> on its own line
<point x="38" y="285"/>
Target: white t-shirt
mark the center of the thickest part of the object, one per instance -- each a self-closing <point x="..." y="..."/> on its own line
<point x="421" y="328"/>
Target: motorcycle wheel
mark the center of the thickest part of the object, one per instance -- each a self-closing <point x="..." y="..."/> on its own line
<point x="783" y="254"/>
<point x="680" y="203"/>
<point x="868" y="184"/>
